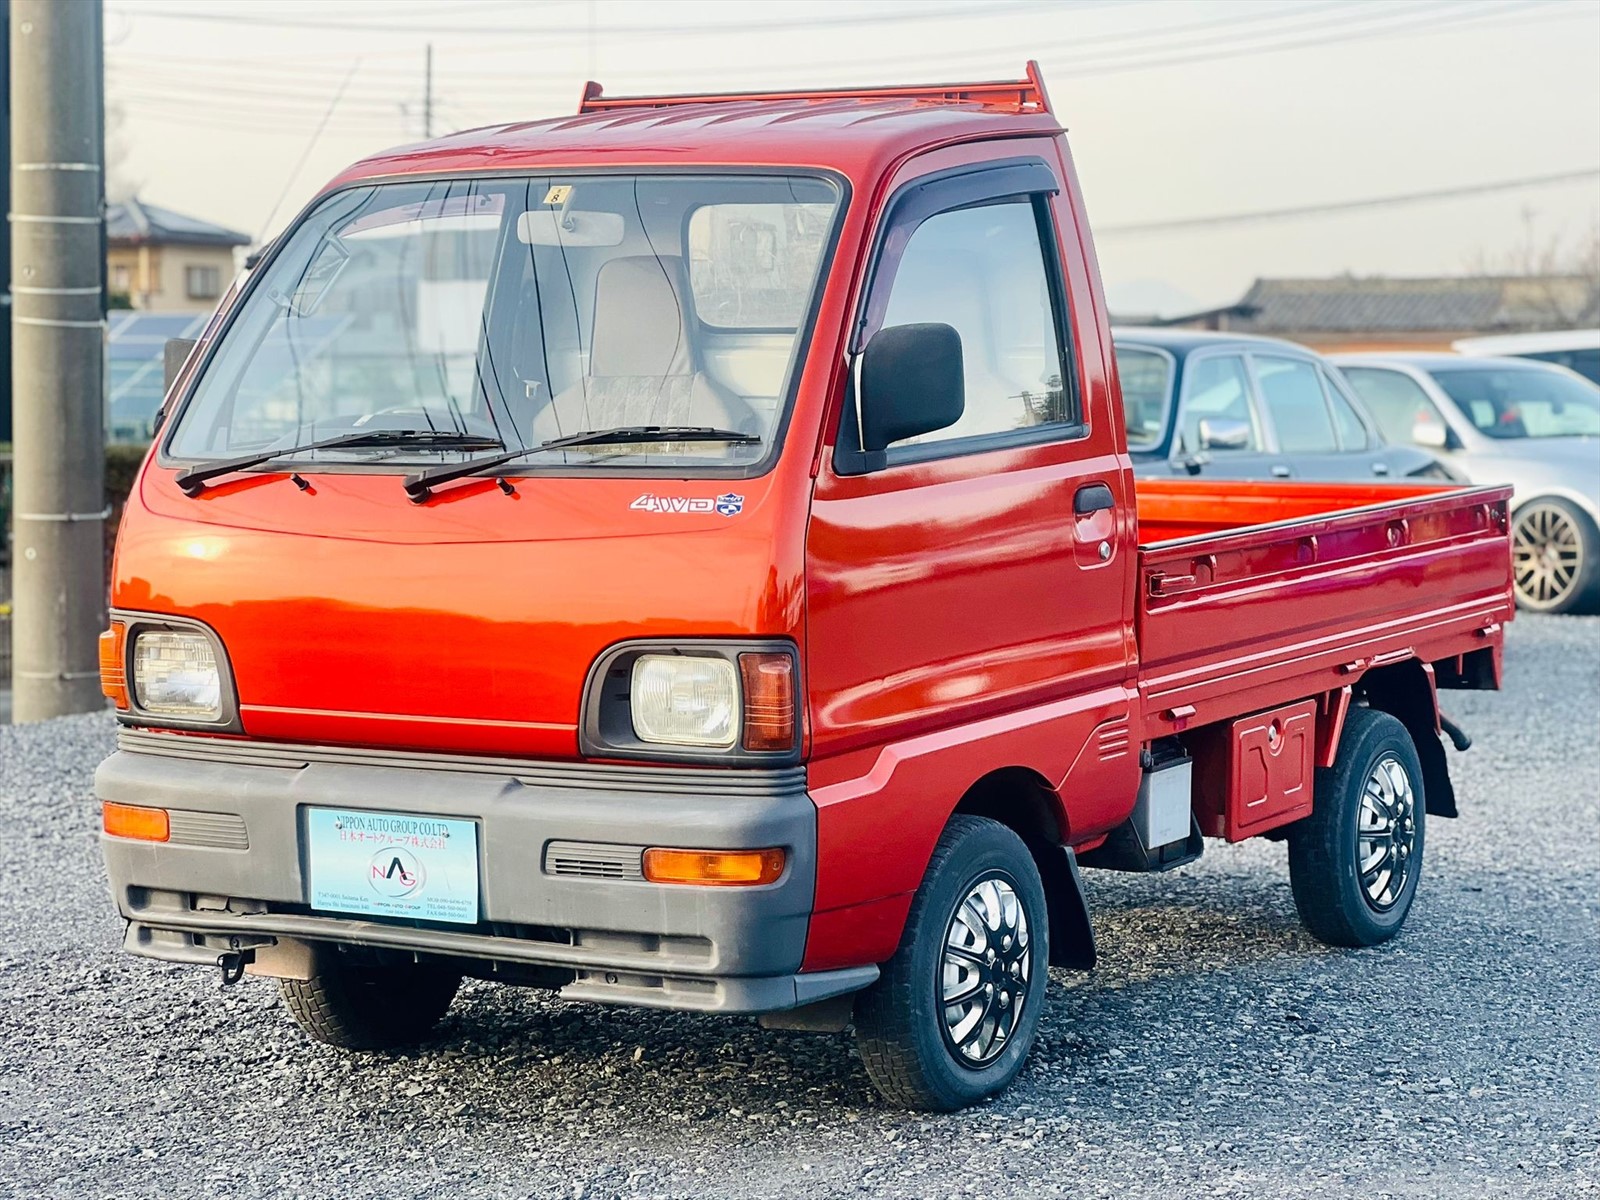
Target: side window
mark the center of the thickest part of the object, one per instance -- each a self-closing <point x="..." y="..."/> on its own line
<point x="1216" y="407"/>
<point x="982" y="271"/>
<point x="1295" y="404"/>
<point x="1352" y="430"/>
<point x="1396" y="401"/>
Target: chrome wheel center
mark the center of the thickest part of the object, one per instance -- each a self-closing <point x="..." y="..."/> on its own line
<point x="1386" y="833"/>
<point x="985" y="971"/>
<point x="1546" y="555"/>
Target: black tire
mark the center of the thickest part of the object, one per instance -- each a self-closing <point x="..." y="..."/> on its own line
<point x="360" y="1006"/>
<point x="1555" y="557"/>
<point x="1337" y="902"/>
<point x="901" y="1030"/>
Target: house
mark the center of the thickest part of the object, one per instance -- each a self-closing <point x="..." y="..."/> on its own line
<point x="1350" y="313"/>
<point x="163" y="261"/>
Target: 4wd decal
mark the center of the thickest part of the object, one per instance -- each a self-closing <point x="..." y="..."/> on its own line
<point x="729" y="504"/>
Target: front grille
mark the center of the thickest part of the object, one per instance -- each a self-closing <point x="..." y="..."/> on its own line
<point x="593" y="860"/>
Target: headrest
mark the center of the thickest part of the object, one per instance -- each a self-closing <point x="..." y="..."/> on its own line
<point x="641" y="318"/>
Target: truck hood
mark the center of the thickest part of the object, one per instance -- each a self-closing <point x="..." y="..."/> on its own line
<point x="467" y="624"/>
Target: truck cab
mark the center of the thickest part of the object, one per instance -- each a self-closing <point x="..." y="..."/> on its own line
<point x="687" y="554"/>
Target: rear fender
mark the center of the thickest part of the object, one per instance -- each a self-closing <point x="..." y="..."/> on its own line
<point x="1407" y="692"/>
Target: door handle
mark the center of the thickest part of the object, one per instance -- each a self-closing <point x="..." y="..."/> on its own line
<point x="1279" y="471"/>
<point x="1092" y="498"/>
<point x="1380" y="468"/>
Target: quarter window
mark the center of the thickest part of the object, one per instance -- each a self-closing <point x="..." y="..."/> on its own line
<point x="1295" y="403"/>
<point x="982" y="271"/>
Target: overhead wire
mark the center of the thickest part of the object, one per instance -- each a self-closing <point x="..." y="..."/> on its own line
<point x="678" y="28"/>
<point x="1257" y="216"/>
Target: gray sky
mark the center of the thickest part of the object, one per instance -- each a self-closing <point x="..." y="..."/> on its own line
<point x="1177" y="108"/>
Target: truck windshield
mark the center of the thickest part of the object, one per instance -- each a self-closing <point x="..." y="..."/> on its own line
<point x="524" y="310"/>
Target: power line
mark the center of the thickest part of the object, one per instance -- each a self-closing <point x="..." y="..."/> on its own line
<point x="1389" y="23"/>
<point x="583" y="31"/>
<point x="1251" y="26"/>
<point x="316" y="135"/>
<point x="1342" y="206"/>
<point x="1375" y="24"/>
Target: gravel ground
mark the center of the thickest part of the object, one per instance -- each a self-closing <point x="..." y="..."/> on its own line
<point x="1217" y="1050"/>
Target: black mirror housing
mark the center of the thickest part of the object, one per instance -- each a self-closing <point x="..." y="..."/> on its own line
<point x="911" y="383"/>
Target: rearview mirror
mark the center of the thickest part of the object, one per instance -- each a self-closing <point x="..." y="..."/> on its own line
<point x="173" y="355"/>
<point x="911" y="383"/>
<point x="1220" y="433"/>
<point x="1431" y="434"/>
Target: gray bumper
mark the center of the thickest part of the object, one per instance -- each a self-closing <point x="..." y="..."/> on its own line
<point x="558" y="851"/>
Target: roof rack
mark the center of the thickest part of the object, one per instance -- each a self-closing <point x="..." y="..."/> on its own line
<point x="1020" y="95"/>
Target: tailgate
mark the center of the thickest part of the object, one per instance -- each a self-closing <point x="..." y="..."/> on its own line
<point x="1237" y="620"/>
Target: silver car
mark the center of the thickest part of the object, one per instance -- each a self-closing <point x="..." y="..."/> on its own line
<point x="1506" y="420"/>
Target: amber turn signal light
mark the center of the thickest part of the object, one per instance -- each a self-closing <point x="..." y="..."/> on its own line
<point x="713" y="868"/>
<point x="768" y="701"/>
<point x="132" y="821"/>
<point x="113" y="672"/>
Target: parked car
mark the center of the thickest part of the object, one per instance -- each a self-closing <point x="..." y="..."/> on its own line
<point x="1231" y="406"/>
<point x="577" y="621"/>
<point x="1576" y="349"/>
<point x="1506" y="420"/>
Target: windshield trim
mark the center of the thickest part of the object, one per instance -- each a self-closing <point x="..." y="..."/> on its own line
<point x="804" y="335"/>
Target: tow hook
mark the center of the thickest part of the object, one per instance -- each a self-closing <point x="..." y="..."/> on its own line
<point x="231" y="963"/>
<point x="1457" y="735"/>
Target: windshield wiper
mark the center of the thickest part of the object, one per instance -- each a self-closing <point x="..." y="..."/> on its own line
<point x="193" y="481"/>
<point x="419" y="486"/>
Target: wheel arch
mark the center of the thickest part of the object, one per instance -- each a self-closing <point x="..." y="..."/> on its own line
<point x="1023" y="801"/>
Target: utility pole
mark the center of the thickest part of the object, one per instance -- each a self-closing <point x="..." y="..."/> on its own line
<point x="427" y="94"/>
<point x="58" y="356"/>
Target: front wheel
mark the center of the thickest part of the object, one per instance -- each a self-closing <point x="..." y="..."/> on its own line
<point x="1355" y="861"/>
<point x="956" y="1010"/>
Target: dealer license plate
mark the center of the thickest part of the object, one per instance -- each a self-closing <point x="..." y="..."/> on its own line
<point x="393" y="864"/>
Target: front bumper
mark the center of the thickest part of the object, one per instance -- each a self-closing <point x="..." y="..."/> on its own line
<point x="557" y="850"/>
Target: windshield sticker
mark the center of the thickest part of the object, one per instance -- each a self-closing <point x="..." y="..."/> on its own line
<point x="729" y="504"/>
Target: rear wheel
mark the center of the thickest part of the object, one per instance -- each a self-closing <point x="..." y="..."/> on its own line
<point x="1555" y="556"/>
<point x="366" y="1006"/>
<point x="1355" y="861"/>
<point x="956" y="1010"/>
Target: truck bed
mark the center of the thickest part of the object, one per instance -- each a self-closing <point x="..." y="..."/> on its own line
<point x="1255" y="594"/>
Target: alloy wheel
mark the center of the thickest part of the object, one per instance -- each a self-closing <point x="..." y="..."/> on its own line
<point x="985" y="971"/>
<point x="1546" y="555"/>
<point x="1386" y="833"/>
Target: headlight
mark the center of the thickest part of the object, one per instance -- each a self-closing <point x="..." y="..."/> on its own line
<point x="176" y="675"/>
<point x="683" y="700"/>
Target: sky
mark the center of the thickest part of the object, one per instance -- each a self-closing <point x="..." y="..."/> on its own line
<point x="238" y="111"/>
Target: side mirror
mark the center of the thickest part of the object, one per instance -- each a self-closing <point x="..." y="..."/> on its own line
<point x="173" y="355"/>
<point x="1219" y="433"/>
<point x="1432" y="434"/>
<point x="911" y="383"/>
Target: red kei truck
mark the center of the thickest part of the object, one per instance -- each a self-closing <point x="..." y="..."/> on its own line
<point x="686" y="554"/>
